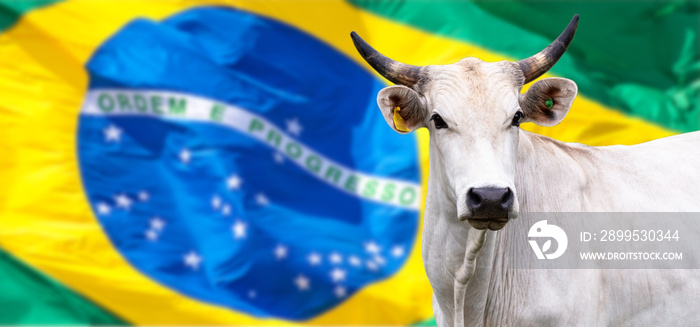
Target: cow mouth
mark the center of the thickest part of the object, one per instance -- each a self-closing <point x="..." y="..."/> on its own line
<point x="488" y="223"/>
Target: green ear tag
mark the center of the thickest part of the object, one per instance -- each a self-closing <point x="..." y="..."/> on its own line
<point x="549" y="103"/>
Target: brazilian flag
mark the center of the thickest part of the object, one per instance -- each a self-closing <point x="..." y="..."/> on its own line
<point x="224" y="162"/>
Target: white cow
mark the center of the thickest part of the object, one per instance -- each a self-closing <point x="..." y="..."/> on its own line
<point x="484" y="169"/>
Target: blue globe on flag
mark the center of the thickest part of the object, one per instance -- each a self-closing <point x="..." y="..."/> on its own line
<point x="241" y="162"/>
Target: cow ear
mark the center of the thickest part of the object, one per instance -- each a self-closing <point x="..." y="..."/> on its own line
<point x="548" y="100"/>
<point x="402" y="108"/>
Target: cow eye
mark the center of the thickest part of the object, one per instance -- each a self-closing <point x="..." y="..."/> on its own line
<point x="516" y="118"/>
<point x="439" y="123"/>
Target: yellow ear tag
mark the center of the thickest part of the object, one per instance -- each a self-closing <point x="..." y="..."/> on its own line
<point x="399" y="122"/>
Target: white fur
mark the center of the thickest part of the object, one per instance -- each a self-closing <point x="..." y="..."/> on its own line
<point x="466" y="267"/>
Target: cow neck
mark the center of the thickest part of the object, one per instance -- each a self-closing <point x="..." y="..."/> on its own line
<point x="546" y="168"/>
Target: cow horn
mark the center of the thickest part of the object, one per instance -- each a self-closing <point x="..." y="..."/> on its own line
<point x="398" y="73"/>
<point x="540" y="63"/>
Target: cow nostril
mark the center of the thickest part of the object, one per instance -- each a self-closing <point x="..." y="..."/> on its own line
<point x="473" y="199"/>
<point x="507" y="199"/>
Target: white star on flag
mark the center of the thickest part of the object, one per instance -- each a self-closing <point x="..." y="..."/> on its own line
<point x="252" y="294"/>
<point x="340" y="291"/>
<point x="143" y="196"/>
<point x="279" y="158"/>
<point x="152" y="235"/>
<point x="314" y="259"/>
<point x="397" y="251"/>
<point x="354" y="261"/>
<point x="336" y="258"/>
<point x="293" y="127"/>
<point x="193" y="260"/>
<point x="226" y="210"/>
<point x="372" y="247"/>
<point x="103" y="209"/>
<point x="157" y="223"/>
<point x="234" y="182"/>
<point x="123" y="201"/>
<point x="262" y="199"/>
<point x="379" y="259"/>
<point x="112" y="133"/>
<point x="371" y="265"/>
<point x="302" y="282"/>
<point x="281" y="252"/>
<point x="216" y="202"/>
<point x="338" y="274"/>
<point x="239" y="229"/>
<point x="185" y="156"/>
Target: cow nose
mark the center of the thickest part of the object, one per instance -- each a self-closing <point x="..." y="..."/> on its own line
<point x="490" y="202"/>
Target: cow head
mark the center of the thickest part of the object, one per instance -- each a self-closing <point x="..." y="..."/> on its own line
<point x="473" y="110"/>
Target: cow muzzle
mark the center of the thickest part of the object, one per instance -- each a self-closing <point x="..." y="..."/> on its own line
<point x="489" y="207"/>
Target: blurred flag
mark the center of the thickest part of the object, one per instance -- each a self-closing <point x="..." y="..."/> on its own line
<point x="225" y="163"/>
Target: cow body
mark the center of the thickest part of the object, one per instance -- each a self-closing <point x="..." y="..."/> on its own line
<point x="485" y="170"/>
<point x="559" y="177"/>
